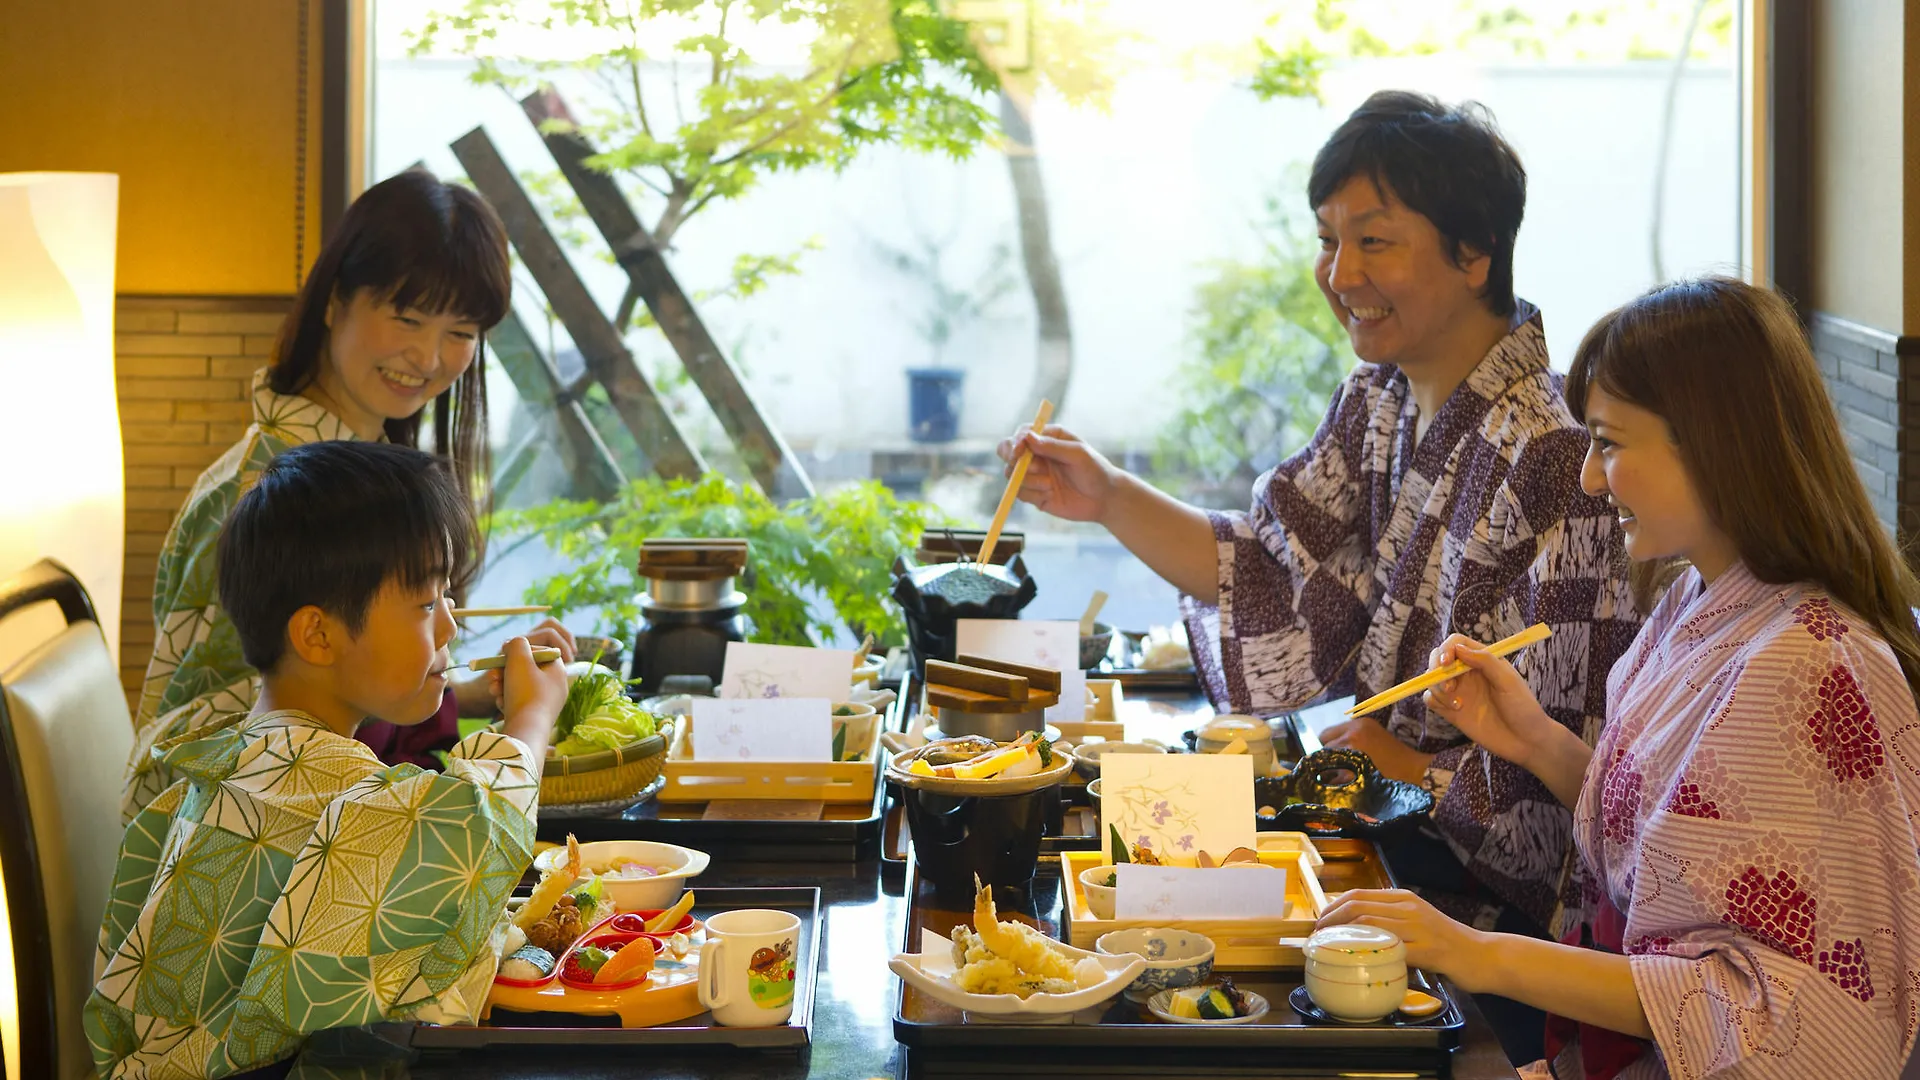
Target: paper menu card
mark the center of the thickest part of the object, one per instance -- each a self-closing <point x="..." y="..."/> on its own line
<point x="1185" y="892"/>
<point x="1051" y="645"/>
<point x="762" y="729"/>
<point x="776" y="671"/>
<point x="1179" y="804"/>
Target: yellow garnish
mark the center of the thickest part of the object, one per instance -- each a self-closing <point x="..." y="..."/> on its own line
<point x="671" y="917"/>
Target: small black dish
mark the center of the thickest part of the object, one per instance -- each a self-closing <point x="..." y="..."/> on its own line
<point x="1303" y="1004"/>
<point x="1338" y="792"/>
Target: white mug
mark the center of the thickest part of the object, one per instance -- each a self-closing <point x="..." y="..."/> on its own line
<point x="747" y="974"/>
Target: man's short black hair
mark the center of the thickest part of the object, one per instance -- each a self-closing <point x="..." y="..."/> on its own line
<point x="330" y="524"/>
<point x="1448" y="164"/>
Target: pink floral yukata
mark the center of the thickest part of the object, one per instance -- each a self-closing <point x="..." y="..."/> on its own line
<point x="1747" y="832"/>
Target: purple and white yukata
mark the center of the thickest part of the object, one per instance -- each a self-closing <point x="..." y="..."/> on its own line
<point x="1363" y="551"/>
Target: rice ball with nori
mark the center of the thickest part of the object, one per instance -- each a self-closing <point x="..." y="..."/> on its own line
<point x="529" y="963"/>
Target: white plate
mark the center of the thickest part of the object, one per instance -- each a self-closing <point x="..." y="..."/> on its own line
<point x="929" y="971"/>
<point x="1157" y="1004"/>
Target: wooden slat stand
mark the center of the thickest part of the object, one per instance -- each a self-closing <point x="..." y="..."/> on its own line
<point x="653" y="428"/>
<point x="688" y="780"/>
<point x="773" y="465"/>
<point x="1239" y="944"/>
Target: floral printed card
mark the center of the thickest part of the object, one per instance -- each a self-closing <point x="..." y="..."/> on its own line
<point x="763" y="729"/>
<point x="1051" y="645"/>
<point x="1165" y="893"/>
<point x="772" y="671"/>
<point x="1179" y="804"/>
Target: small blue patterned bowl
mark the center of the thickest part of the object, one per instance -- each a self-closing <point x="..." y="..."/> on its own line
<point x="1175" y="958"/>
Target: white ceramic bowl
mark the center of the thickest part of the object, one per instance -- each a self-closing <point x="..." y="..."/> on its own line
<point x="674" y="864"/>
<point x="1086" y="757"/>
<point x="1158" y="1005"/>
<point x="858" y="723"/>
<point x="1175" y="958"/>
<point x="1099" y="897"/>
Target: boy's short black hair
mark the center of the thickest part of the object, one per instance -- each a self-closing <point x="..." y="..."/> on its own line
<point x="330" y="524"/>
<point x="1448" y="164"/>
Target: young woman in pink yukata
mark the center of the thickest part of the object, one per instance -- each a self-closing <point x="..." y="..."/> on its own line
<point x="1746" y="822"/>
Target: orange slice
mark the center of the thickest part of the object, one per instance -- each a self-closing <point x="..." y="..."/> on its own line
<point x="633" y="961"/>
<point x="1415" y="1004"/>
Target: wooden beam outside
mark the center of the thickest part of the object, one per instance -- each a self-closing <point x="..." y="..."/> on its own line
<point x="767" y="455"/>
<point x="592" y="466"/>
<point x="668" y="451"/>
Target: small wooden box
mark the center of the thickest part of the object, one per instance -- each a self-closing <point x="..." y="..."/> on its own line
<point x="1239" y="944"/>
<point x="688" y="780"/>
<point x="1103" y="716"/>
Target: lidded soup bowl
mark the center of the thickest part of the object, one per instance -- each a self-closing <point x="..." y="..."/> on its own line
<point x="1356" y="973"/>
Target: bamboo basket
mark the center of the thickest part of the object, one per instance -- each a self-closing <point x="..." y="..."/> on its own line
<point x="607" y="775"/>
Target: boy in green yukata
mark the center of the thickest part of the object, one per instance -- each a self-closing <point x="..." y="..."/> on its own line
<point x="289" y="882"/>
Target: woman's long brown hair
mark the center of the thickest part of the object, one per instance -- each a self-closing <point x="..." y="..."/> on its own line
<point x="422" y="244"/>
<point x="1728" y="367"/>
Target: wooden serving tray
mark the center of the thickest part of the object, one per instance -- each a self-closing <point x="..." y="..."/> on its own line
<point x="1121" y="1038"/>
<point x="688" y="780"/>
<point x="1240" y="944"/>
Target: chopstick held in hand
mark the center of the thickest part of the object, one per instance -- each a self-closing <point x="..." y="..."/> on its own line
<point x="1014" y="480"/>
<point x="542" y="655"/>
<point x="1419" y="683"/>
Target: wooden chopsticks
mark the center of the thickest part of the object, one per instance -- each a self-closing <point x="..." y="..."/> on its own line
<point x="543" y="655"/>
<point x="1014" y="481"/>
<point x="1419" y="683"/>
<point x="494" y="612"/>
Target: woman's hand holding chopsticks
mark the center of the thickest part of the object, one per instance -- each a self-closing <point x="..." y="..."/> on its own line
<point x="1067" y="478"/>
<point x="1494" y="706"/>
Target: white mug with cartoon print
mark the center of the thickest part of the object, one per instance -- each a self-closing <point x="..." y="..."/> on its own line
<point x="747" y="966"/>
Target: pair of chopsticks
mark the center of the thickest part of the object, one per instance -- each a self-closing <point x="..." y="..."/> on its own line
<point x="545" y="654"/>
<point x="1536" y="633"/>
<point x="495" y="612"/>
<point x="1014" y="481"/>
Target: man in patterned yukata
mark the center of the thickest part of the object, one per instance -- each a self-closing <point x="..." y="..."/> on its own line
<point x="1440" y="493"/>
<point x="290" y="882"/>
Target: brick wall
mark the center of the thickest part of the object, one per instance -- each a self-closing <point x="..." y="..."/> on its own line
<point x="1874" y="378"/>
<point x="183" y="366"/>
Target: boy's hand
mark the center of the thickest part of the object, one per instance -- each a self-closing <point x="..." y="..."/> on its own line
<point x="549" y="634"/>
<point x="531" y="695"/>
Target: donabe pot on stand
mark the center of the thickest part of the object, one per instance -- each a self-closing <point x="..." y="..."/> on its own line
<point x="689" y="612"/>
<point x="934" y="598"/>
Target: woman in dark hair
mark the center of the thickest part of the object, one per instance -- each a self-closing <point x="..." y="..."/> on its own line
<point x="391" y="320"/>
<point x="1440" y="495"/>
<point x="1746" y="825"/>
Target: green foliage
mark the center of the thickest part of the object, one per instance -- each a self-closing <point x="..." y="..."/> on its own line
<point x="1268" y="355"/>
<point x="1298" y="41"/>
<point x="830" y="79"/>
<point x="838" y="546"/>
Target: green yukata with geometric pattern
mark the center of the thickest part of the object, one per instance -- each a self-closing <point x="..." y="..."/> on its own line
<point x="197" y="672"/>
<point x="290" y="882"/>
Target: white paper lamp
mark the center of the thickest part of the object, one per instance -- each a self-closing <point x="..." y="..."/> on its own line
<point x="62" y="489"/>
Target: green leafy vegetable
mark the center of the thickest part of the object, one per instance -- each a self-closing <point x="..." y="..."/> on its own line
<point x="1045" y="746"/>
<point x="1120" y="854"/>
<point x="599" y="716"/>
